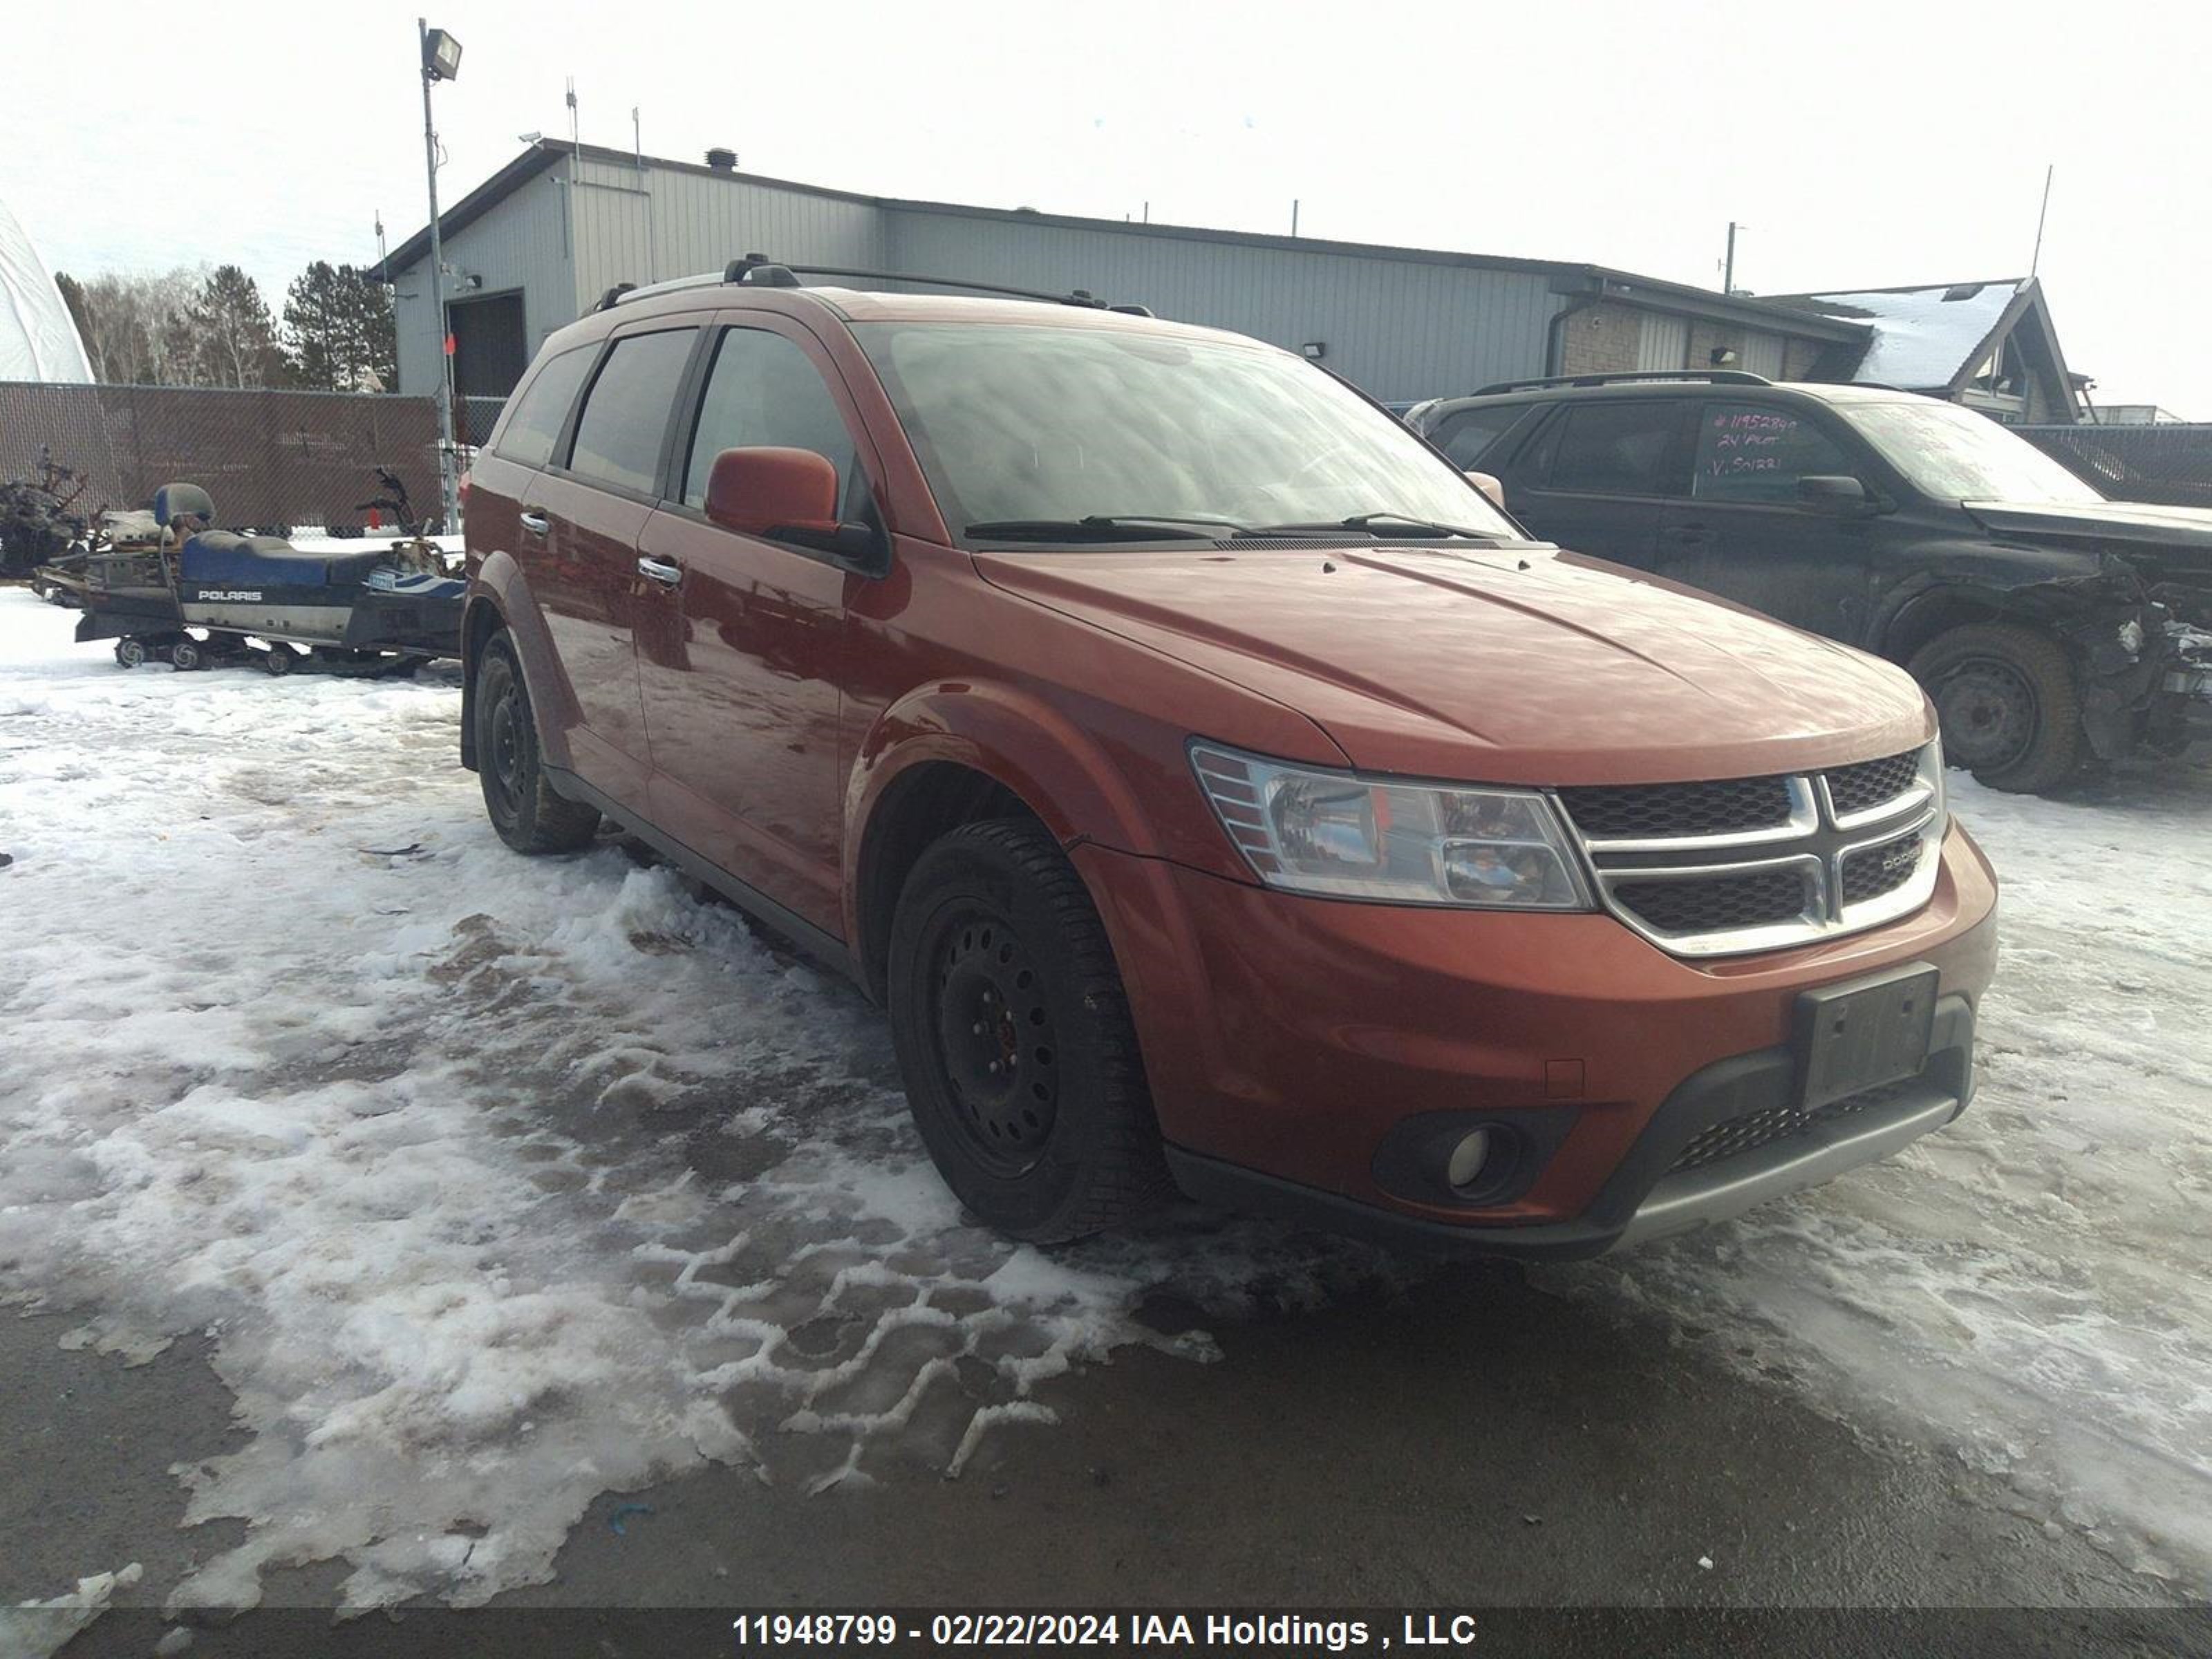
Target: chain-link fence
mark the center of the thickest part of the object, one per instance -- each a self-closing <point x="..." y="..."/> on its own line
<point x="2169" y="464"/>
<point x="270" y="460"/>
<point x="473" y="420"/>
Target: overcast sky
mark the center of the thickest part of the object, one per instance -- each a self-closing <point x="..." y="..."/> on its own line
<point x="1862" y="144"/>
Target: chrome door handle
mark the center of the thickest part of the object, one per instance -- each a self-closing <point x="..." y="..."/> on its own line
<point x="655" y="570"/>
<point x="536" y="522"/>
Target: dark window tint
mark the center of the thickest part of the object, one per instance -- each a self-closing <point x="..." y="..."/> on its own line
<point x="544" y="408"/>
<point x="763" y="390"/>
<point x="1757" y="452"/>
<point x="1466" y="435"/>
<point x="626" y="412"/>
<point x="1614" y="449"/>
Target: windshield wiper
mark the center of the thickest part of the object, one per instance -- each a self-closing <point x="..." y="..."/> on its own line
<point x="1380" y="525"/>
<point x="1107" y="527"/>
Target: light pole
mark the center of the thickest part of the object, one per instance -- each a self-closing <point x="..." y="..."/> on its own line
<point x="441" y="61"/>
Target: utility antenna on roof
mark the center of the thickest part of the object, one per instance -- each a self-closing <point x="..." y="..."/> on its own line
<point x="2043" y="214"/>
<point x="575" y="136"/>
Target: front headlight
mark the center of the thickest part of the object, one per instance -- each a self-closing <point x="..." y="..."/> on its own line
<point x="1346" y="836"/>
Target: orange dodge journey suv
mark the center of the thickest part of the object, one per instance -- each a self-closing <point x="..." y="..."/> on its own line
<point x="1218" y="792"/>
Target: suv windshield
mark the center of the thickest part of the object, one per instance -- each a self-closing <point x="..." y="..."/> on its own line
<point x="1026" y="428"/>
<point x="1955" y="455"/>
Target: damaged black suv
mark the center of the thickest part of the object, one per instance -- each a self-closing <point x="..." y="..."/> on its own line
<point x="2052" y="626"/>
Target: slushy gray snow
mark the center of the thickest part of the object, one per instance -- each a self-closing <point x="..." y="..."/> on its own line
<point x="500" y="1183"/>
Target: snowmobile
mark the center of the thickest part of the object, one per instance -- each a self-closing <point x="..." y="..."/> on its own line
<point x="192" y="596"/>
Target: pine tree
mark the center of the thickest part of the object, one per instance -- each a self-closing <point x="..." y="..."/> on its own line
<point x="369" y="304"/>
<point x="313" y="329"/>
<point x="233" y="339"/>
<point x="339" y="331"/>
<point x="80" y="311"/>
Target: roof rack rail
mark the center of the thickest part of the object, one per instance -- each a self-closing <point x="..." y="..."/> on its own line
<point x="1628" y="377"/>
<point x="759" y="270"/>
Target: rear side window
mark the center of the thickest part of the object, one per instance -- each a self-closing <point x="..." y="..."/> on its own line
<point x="625" y="417"/>
<point x="1467" y="436"/>
<point x="1757" y="452"/>
<point x="538" y="418"/>
<point x="764" y="390"/>
<point x="1613" y="448"/>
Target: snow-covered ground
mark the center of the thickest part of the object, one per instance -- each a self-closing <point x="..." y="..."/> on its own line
<point x="2033" y="1285"/>
<point x="500" y="1183"/>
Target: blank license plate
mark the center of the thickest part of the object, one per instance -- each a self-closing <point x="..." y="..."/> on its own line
<point x="1862" y="1035"/>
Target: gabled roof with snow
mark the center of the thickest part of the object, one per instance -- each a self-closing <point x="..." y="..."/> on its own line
<point x="1925" y="339"/>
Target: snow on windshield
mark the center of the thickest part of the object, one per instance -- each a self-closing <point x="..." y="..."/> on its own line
<point x="500" y="1183"/>
<point x="1027" y="423"/>
<point x="1955" y="455"/>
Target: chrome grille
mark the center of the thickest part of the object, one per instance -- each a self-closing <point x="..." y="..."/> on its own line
<point x="1760" y="864"/>
<point x="1870" y="871"/>
<point x="1869" y="784"/>
<point x="1753" y="1129"/>
<point x="1662" y="810"/>
<point x="1714" y="904"/>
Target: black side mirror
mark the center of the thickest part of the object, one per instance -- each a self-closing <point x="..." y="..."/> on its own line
<point x="1833" y="493"/>
<point x="861" y="545"/>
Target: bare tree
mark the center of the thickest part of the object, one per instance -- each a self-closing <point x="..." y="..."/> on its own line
<point x="136" y="328"/>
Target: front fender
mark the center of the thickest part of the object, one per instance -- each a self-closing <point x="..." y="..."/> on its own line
<point x="500" y="587"/>
<point x="1100" y="779"/>
<point x="1061" y="770"/>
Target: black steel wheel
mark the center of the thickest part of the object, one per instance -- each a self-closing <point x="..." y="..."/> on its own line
<point x="2010" y="711"/>
<point x="995" y="1039"/>
<point x="130" y="653"/>
<point x="1015" y="1041"/>
<point x="185" y="656"/>
<point x="518" y="798"/>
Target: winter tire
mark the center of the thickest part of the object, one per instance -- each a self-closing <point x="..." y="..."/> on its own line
<point x="1015" y="1040"/>
<point x="2010" y="709"/>
<point x="185" y="656"/>
<point x="130" y="653"/>
<point x="523" y="808"/>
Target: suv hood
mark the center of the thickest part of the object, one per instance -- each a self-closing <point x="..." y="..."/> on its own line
<point x="1510" y="666"/>
<point x="2174" y="541"/>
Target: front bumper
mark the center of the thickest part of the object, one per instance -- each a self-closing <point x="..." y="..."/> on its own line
<point x="1295" y="1046"/>
<point x="1647" y="1196"/>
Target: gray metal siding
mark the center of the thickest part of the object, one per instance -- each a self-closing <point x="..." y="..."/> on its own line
<point x="627" y="228"/>
<point x="1397" y="328"/>
<point x="693" y="222"/>
<point x="520" y="244"/>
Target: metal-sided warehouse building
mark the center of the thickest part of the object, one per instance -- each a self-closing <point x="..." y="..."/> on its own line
<point x="534" y="246"/>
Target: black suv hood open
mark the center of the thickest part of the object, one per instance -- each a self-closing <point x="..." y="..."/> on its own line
<point x="2175" y="542"/>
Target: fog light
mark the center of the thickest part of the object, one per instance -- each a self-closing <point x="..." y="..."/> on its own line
<point x="1467" y="1160"/>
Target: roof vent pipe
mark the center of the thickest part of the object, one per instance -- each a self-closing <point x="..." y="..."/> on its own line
<point x="722" y="160"/>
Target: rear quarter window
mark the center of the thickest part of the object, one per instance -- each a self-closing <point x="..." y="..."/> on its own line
<point x="1611" y="449"/>
<point x="1470" y="434"/>
<point x="543" y="408"/>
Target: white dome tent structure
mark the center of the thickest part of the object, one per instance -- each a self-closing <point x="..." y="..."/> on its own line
<point x="39" y="339"/>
